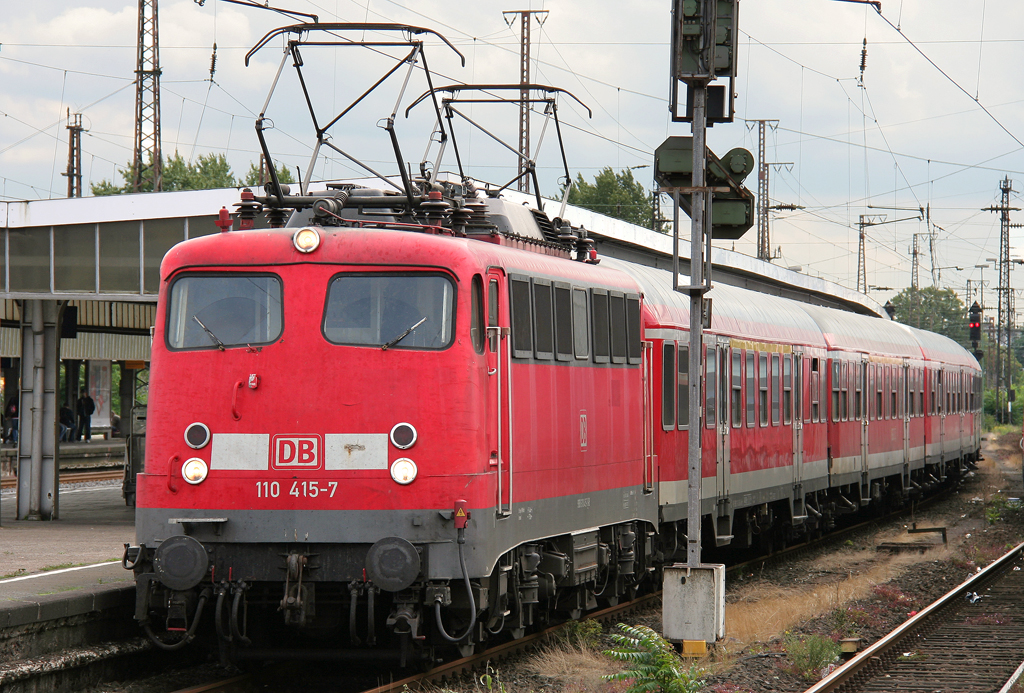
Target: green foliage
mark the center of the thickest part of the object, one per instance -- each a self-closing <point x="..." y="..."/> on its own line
<point x="651" y="663"/>
<point x="935" y="310"/>
<point x="585" y="633"/>
<point x="614" y="194"/>
<point x="256" y="178"/>
<point x="810" y="656"/>
<point x="207" y="172"/>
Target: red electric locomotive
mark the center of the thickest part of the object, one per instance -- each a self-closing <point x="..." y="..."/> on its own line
<point x="424" y="419"/>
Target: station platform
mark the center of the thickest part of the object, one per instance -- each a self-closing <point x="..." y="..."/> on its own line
<point x="81" y="549"/>
<point x="80" y="455"/>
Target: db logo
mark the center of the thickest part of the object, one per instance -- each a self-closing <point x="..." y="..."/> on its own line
<point x="297" y="452"/>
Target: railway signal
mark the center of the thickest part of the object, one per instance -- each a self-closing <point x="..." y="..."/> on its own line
<point x="974" y="324"/>
<point x="732" y="205"/>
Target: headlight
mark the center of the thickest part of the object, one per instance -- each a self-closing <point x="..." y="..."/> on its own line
<point x="194" y="470"/>
<point x="197" y="435"/>
<point x="403" y="471"/>
<point x="306" y="240"/>
<point x="403" y="436"/>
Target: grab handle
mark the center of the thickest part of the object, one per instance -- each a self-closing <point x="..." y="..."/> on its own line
<point x="234" y="400"/>
<point x="172" y="465"/>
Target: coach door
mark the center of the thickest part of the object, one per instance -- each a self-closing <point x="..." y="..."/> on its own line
<point x="722" y="420"/>
<point x="797" y="414"/>
<point x="867" y="390"/>
<point x="499" y="373"/>
<point x="905" y="394"/>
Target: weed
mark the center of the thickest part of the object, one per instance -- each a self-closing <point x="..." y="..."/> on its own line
<point x="810" y="656"/>
<point x="895" y="597"/>
<point x="60" y="566"/>
<point x="16" y="573"/>
<point x="583" y="633"/>
<point x="652" y="664"/>
<point x="912" y="656"/>
<point x="492" y="681"/>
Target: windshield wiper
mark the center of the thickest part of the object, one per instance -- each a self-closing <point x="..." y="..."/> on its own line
<point x="396" y="340"/>
<point x="220" y="344"/>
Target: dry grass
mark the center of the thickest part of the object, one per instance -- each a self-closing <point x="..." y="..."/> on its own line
<point x="764" y="612"/>
<point x="565" y="663"/>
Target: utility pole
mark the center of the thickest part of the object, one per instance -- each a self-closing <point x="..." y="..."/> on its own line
<point x="74" y="172"/>
<point x="524" y="91"/>
<point x="1004" y="315"/>
<point x="147" y="162"/>
<point x="866" y="220"/>
<point x="763" y="241"/>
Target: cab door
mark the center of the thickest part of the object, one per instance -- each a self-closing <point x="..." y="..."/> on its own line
<point x="867" y="386"/>
<point x="499" y="389"/>
<point x="906" y="394"/>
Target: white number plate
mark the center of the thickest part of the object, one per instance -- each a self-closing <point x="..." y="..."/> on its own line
<point x="298" y="489"/>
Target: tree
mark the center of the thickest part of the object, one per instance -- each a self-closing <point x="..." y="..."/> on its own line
<point x="614" y="194"/>
<point x="935" y="310"/>
<point x="255" y="177"/>
<point x="206" y="172"/>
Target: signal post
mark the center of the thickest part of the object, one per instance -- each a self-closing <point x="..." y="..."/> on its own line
<point x="703" y="49"/>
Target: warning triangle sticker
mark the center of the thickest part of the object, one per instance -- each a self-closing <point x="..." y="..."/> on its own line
<point x="461" y="513"/>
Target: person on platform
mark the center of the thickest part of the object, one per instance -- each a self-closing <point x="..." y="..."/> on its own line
<point x="86" y="406"/>
<point x="67" y="423"/>
<point x="11" y="420"/>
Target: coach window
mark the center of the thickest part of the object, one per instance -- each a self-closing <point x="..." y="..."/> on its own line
<point x="835" y="388"/>
<point x="599" y="304"/>
<point x="787" y="389"/>
<point x="845" y="399"/>
<point x="543" y="329"/>
<point x="522" y="327"/>
<point x="946" y="388"/>
<point x="711" y="386"/>
<point x="563" y="321"/>
<point x="580" y="341"/>
<point x="684" y="387"/>
<point x="617" y="311"/>
<point x="823" y="384"/>
<point x="751" y="389"/>
<point x="668" y="385"/>
<point x="762" y="381"/>
<point x="879" y="403"/>
<point x="737" y="388"/>
<point x="858" y="390"/>
<point x="634" y="345"/>
<point x="476" y="314"/>
<point x="815" y="401"/>
<point x="776" y="377"/>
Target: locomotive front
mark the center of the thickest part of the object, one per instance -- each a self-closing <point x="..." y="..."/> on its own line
<point x="313" y="441"/>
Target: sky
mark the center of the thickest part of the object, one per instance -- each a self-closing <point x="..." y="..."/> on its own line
<point x="936" y="121"/>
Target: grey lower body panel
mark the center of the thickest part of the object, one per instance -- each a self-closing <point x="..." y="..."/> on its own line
<point x="258" y="535"/>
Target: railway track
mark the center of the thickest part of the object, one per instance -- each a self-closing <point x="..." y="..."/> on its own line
<point x="71" y="477"/>
<point x="972" y="639"/>
<point x="449" y="670"/>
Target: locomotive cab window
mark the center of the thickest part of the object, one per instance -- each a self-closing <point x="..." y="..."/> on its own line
<point x="211" y="311"/>
<point x="476" y="318"/>
<point x="402" y="311"/>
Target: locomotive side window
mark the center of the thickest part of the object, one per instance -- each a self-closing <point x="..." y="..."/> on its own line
<point x="634" y="344"/>
<point x="787" y="389"/>
<point x="751" y="390"/>
<point x="522" y="327"/>
<point x="209" y="311"/>
<point x="762" y="381"/>
<point x="580" y="341"/>
<point x="617" y="310"/>
<point x="684" y="387"/>
<point x="563" y="322"/>
<point x="602" y="349"/>
<point x="543" y="332"/>
<point x="737" y="388"/>
<point x="668" y="385"/>
<point x="492" y="314"/>
<point x="476" y="317"/>
<point x="403" y="311"/>
<point x="711" y="386"/>
<point x="776" y="372"/>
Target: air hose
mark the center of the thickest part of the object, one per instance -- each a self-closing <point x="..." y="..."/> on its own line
<point x="469" y="594"/>
<point x="170" y="647"/>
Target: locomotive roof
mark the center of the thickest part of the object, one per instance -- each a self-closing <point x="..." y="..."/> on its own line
<point x="736" y="312"/>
